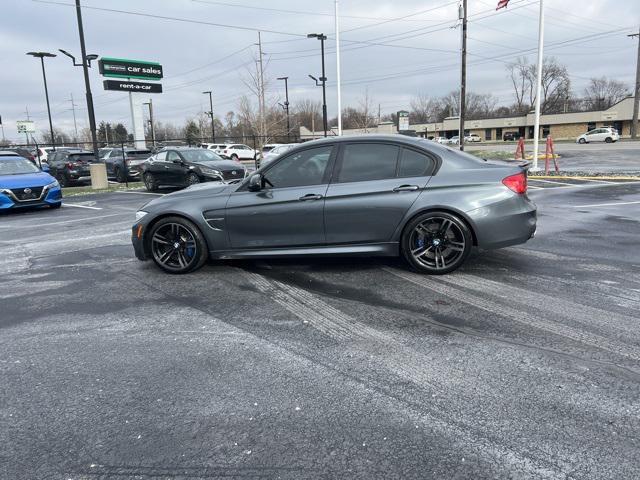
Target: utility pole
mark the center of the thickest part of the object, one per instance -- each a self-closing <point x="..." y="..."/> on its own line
<point x="73" y="108"/>
<point x="286" y="103"/>
<point x="634" y="121"/>
<point x="262" y="102"/>
<point x="338" y="69"/>
<point x="87" y="83"/>
<point x="213" y="128"/>
<point x="463" y="73"/>
<point x="536" y="127"/>
<point x="153" y="130"/>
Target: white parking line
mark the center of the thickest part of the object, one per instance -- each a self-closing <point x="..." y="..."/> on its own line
<point x="139" y="193"/>
<point x="605" y="204"/>
<point x="551" y="181"/>
<point x="80" y="206"/>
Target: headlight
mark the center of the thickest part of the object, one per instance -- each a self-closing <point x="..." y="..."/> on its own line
<point x="53" y="184"/>
<point x="140" y="214"/>
<point x="210" y="171"/>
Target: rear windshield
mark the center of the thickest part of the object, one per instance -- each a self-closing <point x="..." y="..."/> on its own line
<point x="82" y="157"/>
<point x="139" y="153"/>
<point x="14" y="165"/>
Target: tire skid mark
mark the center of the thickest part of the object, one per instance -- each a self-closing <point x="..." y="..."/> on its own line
<point x="584" y="314"/>
<point x="515" y="315"/>
<point x="403" y="362"/>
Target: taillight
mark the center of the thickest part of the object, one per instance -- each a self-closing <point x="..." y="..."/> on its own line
<point x="516" y="183"/>
<point x="224" y="151"/>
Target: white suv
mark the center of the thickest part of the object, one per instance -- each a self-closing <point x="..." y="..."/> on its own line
<point x="236" y="152"/>
<point x="604" y="134"/>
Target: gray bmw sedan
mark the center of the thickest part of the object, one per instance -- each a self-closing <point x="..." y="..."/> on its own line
<point x="368" y="195"/>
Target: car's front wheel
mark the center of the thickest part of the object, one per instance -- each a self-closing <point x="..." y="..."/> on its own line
<point x="120" y="175"/>
<point x="150" y="182"/>
<point x="582" y="141"/>
<point x="436" y="243"/>
<point x="608" y="140"/>
<point x="177" y="245"/>
<point x="193" y="179"/>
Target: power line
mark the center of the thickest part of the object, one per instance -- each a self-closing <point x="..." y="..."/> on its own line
<point x="175" y="19"/>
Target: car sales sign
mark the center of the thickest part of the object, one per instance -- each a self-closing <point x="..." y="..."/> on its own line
<point x="127" y="86"/>
<point x="122" y="68"/>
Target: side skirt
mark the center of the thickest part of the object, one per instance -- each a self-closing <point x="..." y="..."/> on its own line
<point x="390" y="249"/>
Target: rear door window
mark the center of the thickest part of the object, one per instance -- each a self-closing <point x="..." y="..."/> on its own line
<point x="415" y="164"/>
<point x="363" y="162"/>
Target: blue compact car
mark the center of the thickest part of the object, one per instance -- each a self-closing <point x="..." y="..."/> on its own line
<point x="22" y="184"/>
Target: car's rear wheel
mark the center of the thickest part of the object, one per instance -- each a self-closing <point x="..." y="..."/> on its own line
<point x="582" y="140"/>
<point x="608" y="140"/>
<point x="177" y="245"/>
<point x="120" y="176"/>
<point x="150" y="182"/>
<point x="436" y="243"/>
<point x="63" y="179"/>
<point x="234" y="157"/>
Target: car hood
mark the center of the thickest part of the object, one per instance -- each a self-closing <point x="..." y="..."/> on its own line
<point x="223" y="165"/>
<point x="39" y="179"/>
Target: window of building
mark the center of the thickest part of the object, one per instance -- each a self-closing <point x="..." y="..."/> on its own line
<point x="546" y="131"/>
<point x="487" y="134"/>
<point x="591" y="126"/>
<point x="498" y="133"/>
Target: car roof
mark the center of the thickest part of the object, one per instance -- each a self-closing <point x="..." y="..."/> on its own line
<point x="9" y="153"/>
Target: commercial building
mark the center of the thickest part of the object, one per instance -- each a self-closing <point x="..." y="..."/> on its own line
<point x="561" y="126"/>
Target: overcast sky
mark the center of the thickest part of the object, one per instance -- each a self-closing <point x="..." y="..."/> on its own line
<point x="419" y="52"/>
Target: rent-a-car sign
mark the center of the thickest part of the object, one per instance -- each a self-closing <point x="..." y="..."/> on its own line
<point x="122" y="68"/>
<point x="126" y="86"/>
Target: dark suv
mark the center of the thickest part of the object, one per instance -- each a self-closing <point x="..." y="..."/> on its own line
<point x="181" y="167"/>
<point x="127" y="166"/>
<point x="70" y="166"/>
<point x="511" y="136"/>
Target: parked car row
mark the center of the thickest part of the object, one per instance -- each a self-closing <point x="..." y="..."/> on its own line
<point x="455" y="140"/>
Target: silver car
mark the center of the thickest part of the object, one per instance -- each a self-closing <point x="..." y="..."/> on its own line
<point x="364" y="195"/>
<point x="275" y="152"/>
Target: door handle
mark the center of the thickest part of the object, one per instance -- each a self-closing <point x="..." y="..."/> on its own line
<point x="406" y="188"/>
<point x="310" y="196"/>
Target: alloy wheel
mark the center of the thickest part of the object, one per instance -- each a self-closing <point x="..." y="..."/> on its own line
<point x="174" y="246"/>
<point x="437" y="243"/>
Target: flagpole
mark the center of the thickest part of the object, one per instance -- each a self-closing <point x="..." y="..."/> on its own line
<point x="536" y="131"/>
<point x="338" y="69"/>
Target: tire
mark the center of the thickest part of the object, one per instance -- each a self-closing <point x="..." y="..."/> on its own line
<point x="608" y="140"/>
<point x="234" y="157"/>
<point x="120" y="176"/>
<point x="63" y="180"/>
<point x="582" y="141"/>
<point x="150" y="182"/>
<point x="447" y="249"/>
<point x="177" y="246"/>
<point x="55" y="205"/>
<point x="193" y="179"/>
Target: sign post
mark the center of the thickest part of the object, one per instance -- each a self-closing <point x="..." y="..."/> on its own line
<point x="123" y="71"/>
<point x="403" y="120"/>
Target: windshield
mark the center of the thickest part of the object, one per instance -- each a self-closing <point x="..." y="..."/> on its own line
<point x="200" y="156"/>
<point x="16" y="166"/>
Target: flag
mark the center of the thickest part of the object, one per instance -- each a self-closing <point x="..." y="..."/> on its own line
<point x="502" y="4"/>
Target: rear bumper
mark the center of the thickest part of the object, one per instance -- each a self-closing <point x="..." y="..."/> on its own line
<point x="509" y="222"/>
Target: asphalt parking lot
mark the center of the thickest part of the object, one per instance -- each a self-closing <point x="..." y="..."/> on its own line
<point x="593" y="157"/>
<point x="523" y="364"/>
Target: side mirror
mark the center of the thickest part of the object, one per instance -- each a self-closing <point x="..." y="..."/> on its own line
<point x="255" y="183"/>
<point x="178" y="161"/>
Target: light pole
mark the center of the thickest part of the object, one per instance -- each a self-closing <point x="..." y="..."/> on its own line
<point x="323" y="79"/>
<point x="153" y="130"/>
<point x="41" y="56"/>
<point x="286" y="102"/>
<point x="213" y="128"/>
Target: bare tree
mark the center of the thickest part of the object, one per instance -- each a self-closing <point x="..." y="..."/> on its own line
<point x="424" y="109"/>
<point x="478" y="105"/>
<point x="602" y="93"/>
<point x="365" y="119"/>
<point x="520" y="75"/>
<point x="307" y="114"/>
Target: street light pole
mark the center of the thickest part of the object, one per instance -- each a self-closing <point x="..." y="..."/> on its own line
<point x="323" y="79"/>
<point x="636" y="94"/>
<point x="87" y="83"/>
<point x="213" y="128"/>
<point x="153" y="130"/>
<point x="41" y="56"/>
<point x="286" y="102"/>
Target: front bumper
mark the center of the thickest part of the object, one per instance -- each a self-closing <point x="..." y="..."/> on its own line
<point x="52" y="196"/>
<point x="137" y="240"/>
